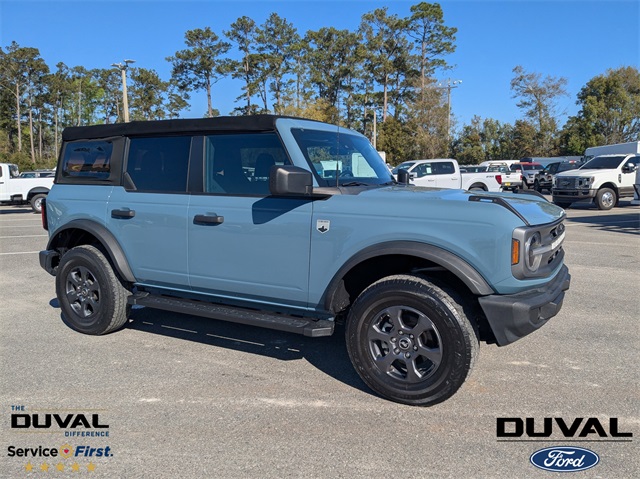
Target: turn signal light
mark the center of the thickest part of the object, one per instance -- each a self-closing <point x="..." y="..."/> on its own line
<point x="515" y="251"/>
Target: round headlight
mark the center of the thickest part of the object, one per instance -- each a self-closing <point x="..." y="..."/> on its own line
<point x="532" y="259"/>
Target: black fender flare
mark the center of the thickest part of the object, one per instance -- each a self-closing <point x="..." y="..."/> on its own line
<point x="449" y="261"/>
<point x="105" y="237"/>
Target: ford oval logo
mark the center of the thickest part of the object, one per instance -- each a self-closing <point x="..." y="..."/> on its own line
<point x="564" y="459"/>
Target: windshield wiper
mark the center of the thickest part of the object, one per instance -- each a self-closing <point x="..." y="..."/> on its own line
<point x="355" y="183"/>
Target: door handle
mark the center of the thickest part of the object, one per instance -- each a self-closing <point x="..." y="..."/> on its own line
<point x="124" y="213"/>
<point x="208" y="220"/>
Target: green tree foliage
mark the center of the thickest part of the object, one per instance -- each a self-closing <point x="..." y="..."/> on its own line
<point x="277" y="42"/>
<point x="538" y="99"/>
<point x="242" y="34"/>
<point x="609" y="113"/>
<point x="147" y="94"/>
<point x="200" y="65"/>
<point x="485" y="140"/>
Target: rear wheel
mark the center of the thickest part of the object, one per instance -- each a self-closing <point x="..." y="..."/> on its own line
<point x="410" y="340"/>
<point x="36" y="203"/>
<point x="92" y="298"/>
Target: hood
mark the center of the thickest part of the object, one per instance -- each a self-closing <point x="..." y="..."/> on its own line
<point x="583" y="173"/>
<point x="425" y="202"/>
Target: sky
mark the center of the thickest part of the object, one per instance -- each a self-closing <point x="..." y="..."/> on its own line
<point x="574" y="39"/>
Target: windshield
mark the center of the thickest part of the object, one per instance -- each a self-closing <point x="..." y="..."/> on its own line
<point x="406" y="165"/>
<point x="531" y="166"/>
<point x="342" y="158"/>
<point x="603" y="163"/>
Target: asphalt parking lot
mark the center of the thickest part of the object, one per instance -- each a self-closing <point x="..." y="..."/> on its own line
<point x="196" y="398"/>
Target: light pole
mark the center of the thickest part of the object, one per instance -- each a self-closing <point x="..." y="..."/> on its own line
<point x="125" y="101"/>
<point x="449" y="85"/>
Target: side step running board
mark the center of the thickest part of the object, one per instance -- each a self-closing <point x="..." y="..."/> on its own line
<point x="306" y="326"/>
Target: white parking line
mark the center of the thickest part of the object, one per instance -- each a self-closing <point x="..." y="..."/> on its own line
<point x="24" y="236"/>
<point x="601" y="223"/>
<point x="20" y="252"/>
<point x="25" y="226"/>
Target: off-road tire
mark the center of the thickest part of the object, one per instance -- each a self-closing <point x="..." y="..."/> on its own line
<point x="92" y="298"/>
<point x="410" y="340"/>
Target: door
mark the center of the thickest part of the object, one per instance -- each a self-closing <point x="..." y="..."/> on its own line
<point x="148" y="215"/>
<point x="243" y="243"/>
<point x="424" y="174"/>
<point x="446" y="175"/>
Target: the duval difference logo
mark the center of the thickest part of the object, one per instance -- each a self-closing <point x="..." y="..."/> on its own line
<point x="564" y="458"/>
<point x="70" y="423"/>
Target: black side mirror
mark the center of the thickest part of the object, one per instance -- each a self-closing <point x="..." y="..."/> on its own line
<point x="403" y="176"/>
<point x="629" y="168"/>
<point x="290" y="181"/>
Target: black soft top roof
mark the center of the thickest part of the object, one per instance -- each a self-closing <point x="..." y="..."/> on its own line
<point x="190" y="125"/>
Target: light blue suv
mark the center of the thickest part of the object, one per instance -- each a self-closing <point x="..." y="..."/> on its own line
<point x="295" y="225"/>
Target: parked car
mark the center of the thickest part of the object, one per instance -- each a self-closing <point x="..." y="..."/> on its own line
<point x="511" y="181"/>
<point x="544" y="178"/>
<point x="292" y="224"/>
<point x="528" y="172"/>
<point x="603" y="179"/>
<point x="18" y="190"/>
<point x="446" y="173"/>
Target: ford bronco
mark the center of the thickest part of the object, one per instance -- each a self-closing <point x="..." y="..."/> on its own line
<point x="296" y="225"/>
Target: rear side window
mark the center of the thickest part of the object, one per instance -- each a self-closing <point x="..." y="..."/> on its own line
<point x="87" y="159"/>
<point x="445" y="168"/>
<point x="158" y="164"/>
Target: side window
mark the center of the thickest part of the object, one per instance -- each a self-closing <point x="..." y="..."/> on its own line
<point x="159" y="164"/>
<point x="239" y="164"/>
<point x="87" y="159"/>
<point x="445" y="168"/>
<point x="423" y="169"/>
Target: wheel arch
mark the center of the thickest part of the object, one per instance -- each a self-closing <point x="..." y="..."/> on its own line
<point x="480" y="185"/>
<point x="36" y="191"/>
<point x="611" y="186"/>
<point x="378" y="261"/>
<point x="82" y="231"/>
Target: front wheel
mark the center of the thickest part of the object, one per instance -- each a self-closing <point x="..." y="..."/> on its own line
<point x="606" y="198"/>
<point x="410" y="340"/>
<point x="92" y="298"/>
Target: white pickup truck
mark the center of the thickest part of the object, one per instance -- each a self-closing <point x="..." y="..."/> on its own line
<point x="445" y="173"/>
<point x="603" y="179"/>
<point x="16" y="190"/>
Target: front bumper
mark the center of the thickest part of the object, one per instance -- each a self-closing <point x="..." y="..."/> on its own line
<point x="513" y="316"/>
<point x="573" y="195"/>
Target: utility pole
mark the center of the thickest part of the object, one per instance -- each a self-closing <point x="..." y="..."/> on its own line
<point x="449" y="85"/>
<point x="125" y="100"/>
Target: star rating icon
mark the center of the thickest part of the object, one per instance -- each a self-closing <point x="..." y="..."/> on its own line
<point x="44" y="467"/>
